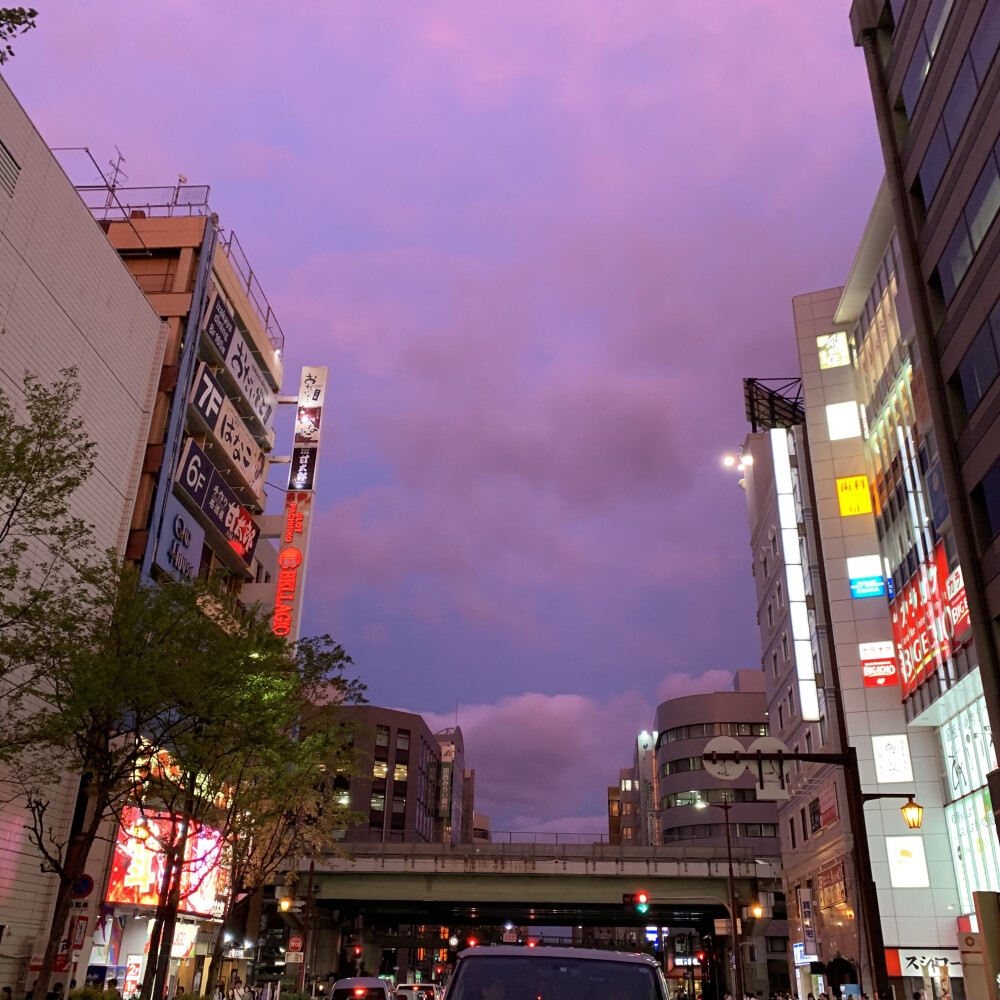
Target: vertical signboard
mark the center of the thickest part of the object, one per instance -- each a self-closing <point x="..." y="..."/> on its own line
<point x="293" y="543"/>
<point x="808" y="916"/>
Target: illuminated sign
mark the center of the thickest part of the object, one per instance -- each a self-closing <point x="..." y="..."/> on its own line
<point x="230" y="433"/>
<point x="833" y="352"/>
<point x="137" y="866"/>
<point x="178" y="549"/>
<point x="842" y="420"/>
<point x="203" y="483"/>
<point x="799" y="956"/>
<point x="298" y="502"/>
<point x="865" y="575"/>
<point x="878" y="663"/>
<point x="928" y="613"/>
<point x="892" y="758"/>
<point x="907" y="863"/>
<point x="809" y="944"/>
<point x="854" y="496"/>
<point x="221" y="332"/>
<point x="796" y="575"/>
<point x="831" y="886"/>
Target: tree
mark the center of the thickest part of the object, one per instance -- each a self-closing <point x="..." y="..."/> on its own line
<point x="118" y="672"/>
<point x="14" y="21"/>
<point x="44" y="459"/>
<point x="251" y="766"/>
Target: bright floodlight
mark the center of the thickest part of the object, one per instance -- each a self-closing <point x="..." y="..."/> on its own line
<point x="729" y="461"/>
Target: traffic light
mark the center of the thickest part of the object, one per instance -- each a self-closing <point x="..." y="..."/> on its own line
<point x="639" y="901"/>
<point x="701" y="958"/>
<point x="472" y="942"/>
<point x="357" y="950"/>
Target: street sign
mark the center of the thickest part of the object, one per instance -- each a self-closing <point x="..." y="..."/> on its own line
<point x="724" y="770"/>
<point x="771" y="785"/>
<point x="510" y="937"/>
<point x="295" y="943"/>
<point x="294" y="956"/>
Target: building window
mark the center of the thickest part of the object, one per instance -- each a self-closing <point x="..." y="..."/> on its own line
<point x="378" y="801"/>
<point x="627" y="833"/>
<point x="774" y="544"/>
<point x="774" y="664"/>
<point x="805" y="824"/>
<point x="380" y="769"/>
<point x="626" y="808"/>
<point x="781" y="717"/>
<point x="613" y="807"/>
<point x="780" y="598"/>
<point x="979" y="367"/>
<point x="399" y="804"/>
<point x="382" y="736"/>
<point x="770" y="615"/>
<point x="399" y="772"/>
<point x="798" y="763"/>
<point x="403" y="739"/>
<point x="791" y="832"/>
<point x="791" y="703"/>
<point x="764" y="561"/>
<point x="809" y="741"/>
<point x="626" y="785"/>
<point x="784" y="645"/>
<point x="822" y="730"/>
<point x="682" y="765"/>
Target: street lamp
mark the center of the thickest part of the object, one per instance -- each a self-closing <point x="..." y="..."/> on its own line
<point x="757" y="910"/>
<point x="913" y="814"/>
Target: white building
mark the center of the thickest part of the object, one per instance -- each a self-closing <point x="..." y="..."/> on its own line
<point x="66" y="300"/>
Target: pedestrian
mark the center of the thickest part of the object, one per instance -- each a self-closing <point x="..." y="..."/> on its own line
<point x="56" y="993"/>
<point x="6" y="993"/>
<point x="238" y="992"/>
<point x="219" y="993"/>
<point x="111" y="988"/>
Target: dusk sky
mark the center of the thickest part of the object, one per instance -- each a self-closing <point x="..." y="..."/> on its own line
<point x="538" y="244"/>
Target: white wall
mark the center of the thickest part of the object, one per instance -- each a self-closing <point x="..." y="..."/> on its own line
<point x="67" y="300"/>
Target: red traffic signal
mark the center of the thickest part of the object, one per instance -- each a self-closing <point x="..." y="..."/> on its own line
<point x="641" y="897"/>
<point x="357" y="949"/>
<point x="472" y="942"/>
<point x="439" y="970"/>
<point x="701" y="957"/>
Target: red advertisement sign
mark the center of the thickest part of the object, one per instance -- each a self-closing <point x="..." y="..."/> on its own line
<point x="927" y="615"/>
<point x="878" y="663"/>
<point x="137" y="867"/>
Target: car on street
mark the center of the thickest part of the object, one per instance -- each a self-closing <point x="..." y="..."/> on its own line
<point x="363" y="988"/>
<point x="522" y="973"/>
<point x="416" y="991"/>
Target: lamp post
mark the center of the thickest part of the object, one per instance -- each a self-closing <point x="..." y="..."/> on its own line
<point x="912" y="814"/>
<point x="733" y="917"/>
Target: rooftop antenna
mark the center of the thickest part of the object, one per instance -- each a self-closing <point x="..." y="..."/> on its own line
<point x="116" y="173"/>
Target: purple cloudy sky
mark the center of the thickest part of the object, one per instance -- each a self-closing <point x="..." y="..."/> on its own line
<point x="538" y="244"/>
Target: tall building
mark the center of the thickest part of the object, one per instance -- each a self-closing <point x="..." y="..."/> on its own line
<point x="668" y="799"/>
<point x="208" y="451"/>
<point x="397" y="789"/>
<point x="823" y="588"/>
<point x="933" y="73"/>
<point x="66" y="299"/>
<point x="451" y="785"/>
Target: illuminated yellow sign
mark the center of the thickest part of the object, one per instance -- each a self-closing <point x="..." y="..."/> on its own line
<point x="854" y="496"/>
<point x="833" y="351"/>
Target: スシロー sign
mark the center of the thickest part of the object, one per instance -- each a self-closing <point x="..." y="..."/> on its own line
<point x="198" y="478"/>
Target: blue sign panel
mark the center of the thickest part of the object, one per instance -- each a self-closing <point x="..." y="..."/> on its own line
<point x="868" y="586"/>
<point x="178" y="549"/>
<point x="936" y="494"/>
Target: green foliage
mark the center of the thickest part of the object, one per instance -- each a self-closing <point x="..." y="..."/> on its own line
<point x="44" y="459"/>
<point x="14" y="21"/>
<point x="89" y="993"/>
